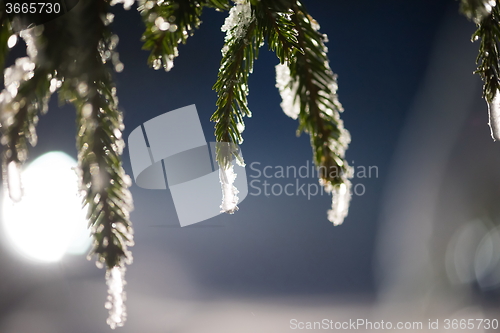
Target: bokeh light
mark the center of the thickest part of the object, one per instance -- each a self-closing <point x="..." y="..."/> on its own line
<point x="49" y="220"/>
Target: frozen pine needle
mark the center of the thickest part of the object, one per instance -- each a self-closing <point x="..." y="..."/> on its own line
<point x="115" y="279"/>
<point x="227" y="155"/>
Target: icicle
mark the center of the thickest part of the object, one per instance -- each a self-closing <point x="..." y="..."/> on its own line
<point x="240" y="127"/>
<point x="288" y="91"/>
<point x="341" y="198"/>
<point x="229" y="191"/>
<point x="494" y="117"/>
<point x="14" y="75"/>
<point x="14" y="184"/>
<point x="226" y="152"/>
<point x="115" y="279"/>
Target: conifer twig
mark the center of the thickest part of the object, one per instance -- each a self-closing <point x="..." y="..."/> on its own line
<point x="308" y="88"/>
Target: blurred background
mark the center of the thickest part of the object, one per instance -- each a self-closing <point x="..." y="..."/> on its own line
<point x="422" y="238"/>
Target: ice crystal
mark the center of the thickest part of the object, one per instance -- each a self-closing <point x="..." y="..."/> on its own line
<point x="235" y="25"/>
<point x="288" y="91"/>
<point x="480" y="9"/>
<point x="115" y="279"/>
<point x="494" y="116"/>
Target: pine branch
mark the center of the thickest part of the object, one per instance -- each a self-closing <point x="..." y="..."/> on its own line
<point x="240" y="49"/>
<point x="241" y="45"/>
<point x="103" y="178"/>
<point x="488" y="32"/>
<point x="169" y="23"/>
<point x="87" y="83"/>
<point x="274" y="20"/>
<point x="26" y="94"/>
<point x="308" y="88"/>
<point x="19" y="118"/>
<point x="486" y="15"/>
<point x="30" y="83"/>
<point x="247" y="26"/>
<point x="78" y="59"/>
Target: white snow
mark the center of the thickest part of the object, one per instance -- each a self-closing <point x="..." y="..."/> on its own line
<point x="235" y="25"/>
<point x="288" y="86"/>
<point x="341" y="198"/>
<point x="288" y="91"/>
<point x="240" y="127"/>
<point x="115" y="279"/>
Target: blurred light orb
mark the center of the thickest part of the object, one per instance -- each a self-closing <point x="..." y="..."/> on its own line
<point x="487" y="260"/>
<point x="461" y="252"/>
<point x="49" y="221"/>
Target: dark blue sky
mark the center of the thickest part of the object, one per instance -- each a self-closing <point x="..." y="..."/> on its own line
<point x="283" y="244"/>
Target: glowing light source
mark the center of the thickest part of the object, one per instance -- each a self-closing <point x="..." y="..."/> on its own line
<point x="49" y="220"/>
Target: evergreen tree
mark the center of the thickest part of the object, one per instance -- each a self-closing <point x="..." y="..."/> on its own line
<point x="74" y="55"/>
